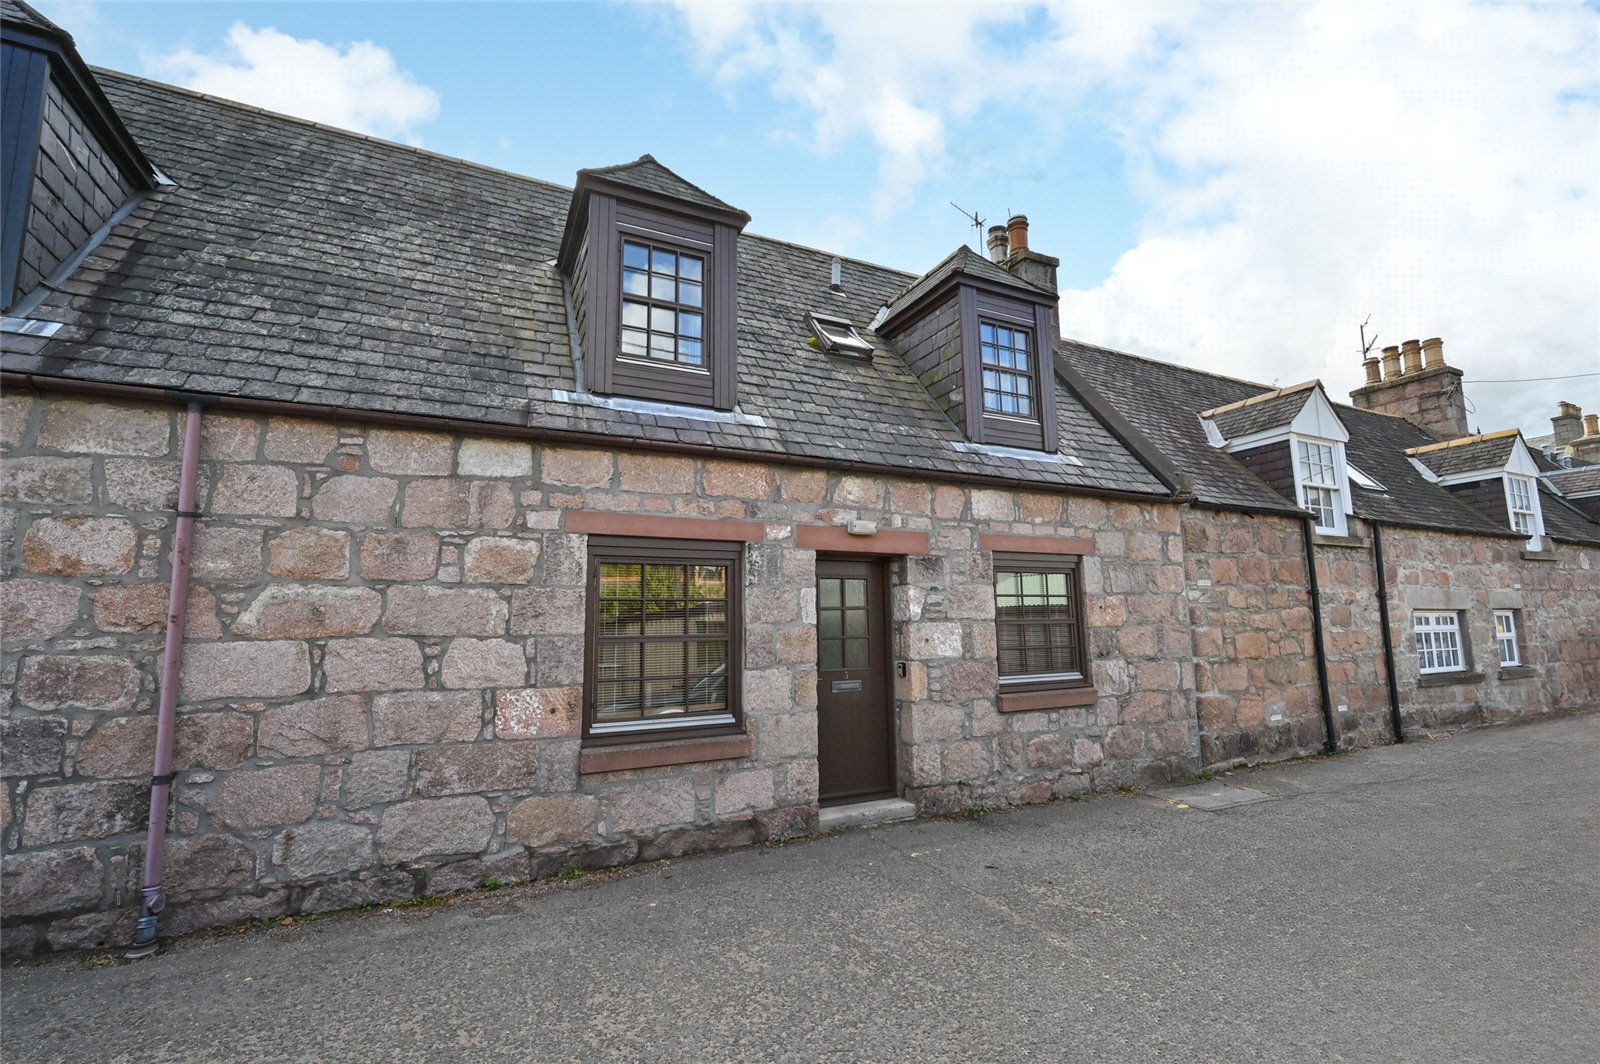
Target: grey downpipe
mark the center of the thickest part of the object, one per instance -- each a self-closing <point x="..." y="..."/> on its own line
<point x="1331" y="743"/>
<point x="153" y="897"/>
<point x="1388" y="638"/>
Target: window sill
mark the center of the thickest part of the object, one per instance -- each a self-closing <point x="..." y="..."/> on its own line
<point x="1329" y="539"/>
<point x="1066" y="698"/>
<point x="654" y="754"/>
<point x="1540" y="556"/>
<point x="1517" y="672"/>
<point x="1449" y="679"/>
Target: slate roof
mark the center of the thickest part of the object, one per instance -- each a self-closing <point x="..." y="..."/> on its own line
<point x="1579" y="480"/>
<point x="1164" y="402"/>
<point x="648" y="175"/>
<point x="13" y="11"/>
<point x="1259" y="413"/>
<point x="295" y="262"/>
<point x="1469" y="454"/>
<point x="962" y="260"/>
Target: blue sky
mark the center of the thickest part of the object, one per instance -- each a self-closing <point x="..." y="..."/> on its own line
<point x="1235" y="187"/>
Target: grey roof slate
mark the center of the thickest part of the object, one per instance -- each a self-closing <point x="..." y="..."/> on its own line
<point x="1164" y="402"/>
<point x="1578" y="480"/>
<point x="1273" y="413"/>
<point x="1468" y="455"/>
<point x="295" y="262"/>
<point x="1564" y="520"/>
<point x="647" y="174"/>
<point x="962" y="260"/>
<point x="13" y="11"/>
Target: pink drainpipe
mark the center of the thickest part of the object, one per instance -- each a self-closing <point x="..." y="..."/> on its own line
<point x="153" y="897"/>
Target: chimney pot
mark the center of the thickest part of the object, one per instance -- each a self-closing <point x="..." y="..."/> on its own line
<point x="1391" y="363"/>
<point x="1591" y="425"/>
<point x="1569" y="410"/>
<point x="1433" y="353"/>
<point x="1410" y="357"/>
<point x="999" y="244"/>
<point x="1371" y="365"/>
<point x="1017" y="232"/>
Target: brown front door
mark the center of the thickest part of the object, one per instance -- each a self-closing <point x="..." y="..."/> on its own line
<point x="855" y="724"/>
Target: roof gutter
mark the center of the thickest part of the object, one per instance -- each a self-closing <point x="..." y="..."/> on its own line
<point x="147" y="394"/>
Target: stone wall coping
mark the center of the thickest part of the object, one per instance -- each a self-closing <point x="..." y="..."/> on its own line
<point x="1022" y="701"/>
<point x="605" y="523"/>
<point x="624" y="757"/>
<point x="995" y="541"/>
<point x="836" y="539"/>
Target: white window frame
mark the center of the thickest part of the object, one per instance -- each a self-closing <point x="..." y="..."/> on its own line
<point x="1527" y="520"/>
<point x="1438" y="641"/>
<point x="1505" y="636"/>
<point x="1305" y="482"/>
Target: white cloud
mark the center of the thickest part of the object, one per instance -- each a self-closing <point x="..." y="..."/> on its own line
<point x="354" y="86"/>
<point x="1298" y="166"/>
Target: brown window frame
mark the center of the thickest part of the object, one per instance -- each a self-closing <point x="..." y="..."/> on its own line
<point x="645" y="551"/>
<point x="1007" y="562"/>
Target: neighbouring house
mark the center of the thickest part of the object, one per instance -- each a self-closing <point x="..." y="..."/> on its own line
<point x="528" y="526"/>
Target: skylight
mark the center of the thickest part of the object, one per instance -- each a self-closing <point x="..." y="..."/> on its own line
<point x="837" y="336"/>
<point x="1363" y="480"/>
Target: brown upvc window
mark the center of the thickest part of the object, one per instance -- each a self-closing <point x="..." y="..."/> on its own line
<point x="1039" y="626"/>
<point x="663" y="305"/>
<point x="665" y="635"/>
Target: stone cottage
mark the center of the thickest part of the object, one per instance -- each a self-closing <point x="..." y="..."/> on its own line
<point x="378" y="523"/>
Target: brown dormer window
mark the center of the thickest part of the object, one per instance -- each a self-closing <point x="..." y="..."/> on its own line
<point x="663" y="305"/>
<point x="652" y="264"/>
<point x="1009" y="377"/>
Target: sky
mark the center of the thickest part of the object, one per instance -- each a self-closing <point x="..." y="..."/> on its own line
<point x="1233" y="187"/>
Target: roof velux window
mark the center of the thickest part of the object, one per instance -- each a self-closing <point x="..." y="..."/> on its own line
<point x="1006" y="356"/>
<point x="838" y="337"/>
<point x="663" y="300"/>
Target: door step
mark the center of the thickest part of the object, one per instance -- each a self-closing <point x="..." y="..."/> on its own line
<point x="865" y="814"/>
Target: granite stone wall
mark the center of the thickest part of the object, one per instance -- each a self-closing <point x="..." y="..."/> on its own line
<point x="382" y="682"/>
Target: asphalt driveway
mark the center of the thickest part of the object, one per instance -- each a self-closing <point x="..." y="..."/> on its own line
<point x="1438" y="901"/>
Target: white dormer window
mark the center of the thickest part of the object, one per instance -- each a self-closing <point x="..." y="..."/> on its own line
<point x="1522" y="503"/>
<point x="1319" y="483"/>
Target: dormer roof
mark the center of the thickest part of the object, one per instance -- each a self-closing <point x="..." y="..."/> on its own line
<point x="1270" y="417"/>
<point x="647" y="181"/>
<point x="963" y="262"/>
<point x="1490" y="452"/>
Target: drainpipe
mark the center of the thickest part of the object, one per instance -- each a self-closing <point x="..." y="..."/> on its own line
<point x="153" y="897"/>
<point x="1388" y="639"/>
<point x="1331" y="744"/>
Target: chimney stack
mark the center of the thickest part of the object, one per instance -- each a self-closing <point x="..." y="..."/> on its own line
<point x="1017" y="233"/>
<point x="1587" y="446"/>
<point x="1030" y="266"/>
<point x="1424" y="391"/>
<point x="999" y="246"/>
<point x="1567" y="425"/>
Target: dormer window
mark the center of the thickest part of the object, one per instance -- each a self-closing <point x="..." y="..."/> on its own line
<point x="663" y="305"/>
<point x="1009" y="378"/>
<point x="1522" y="504"/>
<point x="1319" y="485"/>
<point x="652" y="265"/>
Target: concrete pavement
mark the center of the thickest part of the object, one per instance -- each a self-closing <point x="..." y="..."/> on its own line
<point x="1437" y="901"/>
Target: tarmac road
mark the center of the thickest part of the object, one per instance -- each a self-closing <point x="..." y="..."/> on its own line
<point x="1437" y="901"/>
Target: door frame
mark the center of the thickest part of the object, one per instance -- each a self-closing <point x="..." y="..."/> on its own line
<point x="879" y="565"/>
